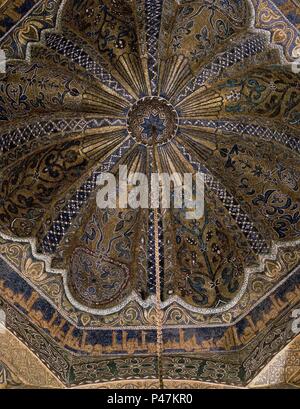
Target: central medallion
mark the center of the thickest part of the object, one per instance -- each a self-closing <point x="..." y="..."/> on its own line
<point x="152" y="121"/>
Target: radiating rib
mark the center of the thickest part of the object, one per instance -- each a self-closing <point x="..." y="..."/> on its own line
<point x="130" y="68"/>
<point x="174" y="74"/>
<point x="48" y="175"/>
<point x="263" y="92"/>
<point x="109" y="29"/>
<point x="98" y="143"/>
<point x="189" y="37"/>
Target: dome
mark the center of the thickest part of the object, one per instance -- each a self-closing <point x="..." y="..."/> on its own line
<point x="173" y="87"/>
